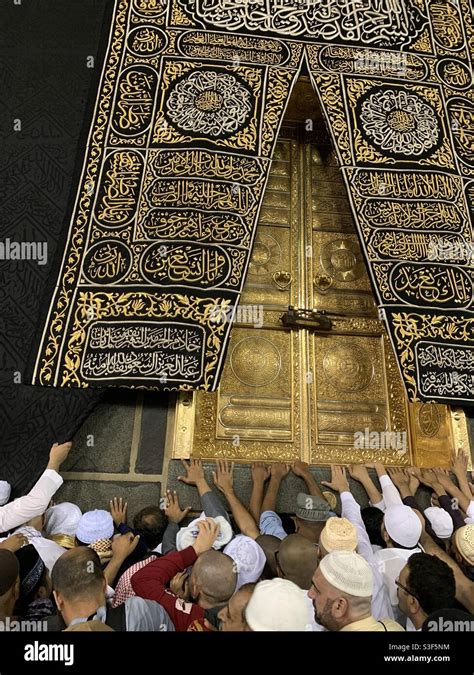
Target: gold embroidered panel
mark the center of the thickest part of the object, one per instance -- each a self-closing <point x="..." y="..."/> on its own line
<point x="184" y="130"/>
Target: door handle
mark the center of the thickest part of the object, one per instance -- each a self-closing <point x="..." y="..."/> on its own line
<point x="282" y="279"/>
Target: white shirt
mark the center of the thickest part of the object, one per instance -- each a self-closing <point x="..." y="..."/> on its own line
<point x="391" y="561"/>
<point x="33" y="504"/>
<point x="381" y="605"/>
<point x="470" y="513"/>
<point x="48" y="550"/>
<point x="391" y="496"/>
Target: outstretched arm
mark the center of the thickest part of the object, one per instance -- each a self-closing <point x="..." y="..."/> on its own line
<point x="223" y="478"/>
<point x="359" y="472"/>
<point x="260" y="474"/>
<point x="278" y="472"/>
<point x="301" y="469"/>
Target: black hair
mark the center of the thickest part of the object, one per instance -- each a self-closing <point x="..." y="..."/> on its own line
<point x="150" y="523"/>
<point x="431" y="581"/>
<point x="373" y="519"/>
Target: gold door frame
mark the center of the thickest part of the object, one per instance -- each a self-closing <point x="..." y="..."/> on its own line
<point x="431" y="429"/>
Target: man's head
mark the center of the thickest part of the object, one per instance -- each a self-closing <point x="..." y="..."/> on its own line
<point x="277" y="605"/>
<point x="248" y="557"/>
<point x="232" y="616"/>
<point x="373" y="519"/>
<point x="339" y="534"/>
<point x="311" y="515"/>
<point x="297" y="558"/>
<point x="425" y="585"/>
<point x="270" y="546"/>
<point x="35" y="580"/>
<point x="463" y="546"/>
<point x="341" y="590"/>
<point x="94" y="526"/>
<point x="213" y="579"/>
<point x="78" y="583"/>
<point x="401" y="527"/>
<point x="150" y="523"/>
<point x="9" y="582"/>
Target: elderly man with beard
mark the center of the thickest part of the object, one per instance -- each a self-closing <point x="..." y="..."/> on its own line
<point x="341" y="591"/>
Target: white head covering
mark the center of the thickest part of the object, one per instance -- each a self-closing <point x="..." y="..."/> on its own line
<point x="62" y="519"/>
<point x="403" y="525"/>
<point x="5" y="492"/>
<point x="441" y="521"/>
<point x="349" y="572"/>
<point x="277" y="605"/>
<point x="187" y="535"/>
<point x="248" y="557"/>
<point x="95" y="525"/>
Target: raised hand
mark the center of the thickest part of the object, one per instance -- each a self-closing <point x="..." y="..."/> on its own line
<point x="208" y="533"/>
<point x="279" y="470"/>
<point x="459" y="463"/>
<point x="118" y="510"/>
<point x="300" y="468"/>
<point x="338" y="481"/>
<point x="194" y="472"/>
<point x="124" y="545"/>
<point x="223" y="476"/>
<point x="173" y="510"/>
<point x="399" y="478"/>
<point x="58" y="454"/>
<point x="358" y="472"/>
<point x="260" y="472"/>
<point x="14" y="543"/>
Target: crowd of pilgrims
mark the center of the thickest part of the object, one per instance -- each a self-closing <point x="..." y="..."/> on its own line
<point x="391" y="566"/>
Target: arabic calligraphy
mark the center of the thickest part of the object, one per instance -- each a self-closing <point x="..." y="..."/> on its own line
<point x="204" y="164"/>
<point x="461" y="114"/>
<point x="399" y="122"/>
<point x="189" y="224"/>
<point x="405" y="245"/>
<point x="435" y="285"/>
<point x="107" y="262"/>
<point x="418" y="214"/>
<point x="225" y="47"/>
<point x="146" y="41"/>
<point x="446" y="24"/>
<point x="135" y="350"/>
<point x="134" y="106"/>
<point x="407" y="185"/>
<point x="118" y="190"/>
<point x="186" y="264"/>
<point x="209" y="102"/>
<point x="386" y="23"/>
<point x="202" y="194"/>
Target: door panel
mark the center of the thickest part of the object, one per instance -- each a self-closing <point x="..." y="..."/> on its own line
<point x="289" y="394"/>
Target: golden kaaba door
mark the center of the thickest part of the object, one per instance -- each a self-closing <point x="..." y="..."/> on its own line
<point x="297" y="393"/>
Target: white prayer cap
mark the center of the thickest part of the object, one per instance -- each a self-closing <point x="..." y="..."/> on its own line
<point x="62" y="519"/>
<point x="187" y="535"/>
<point x="5" y="492"/>
<point x="441" y="521"/>
<point x="403" y="525"/>
<point x="249" y="558"/>
<point x="277" y="605"/>
<point x="349" y="572"/>
<point x="95" y="525"/>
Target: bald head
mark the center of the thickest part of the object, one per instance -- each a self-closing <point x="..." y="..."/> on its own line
<point x="270" y="545"/>
<point x="297" y="560"/>
<point x="213" y="578"/>
<point x="78" y="574"/>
